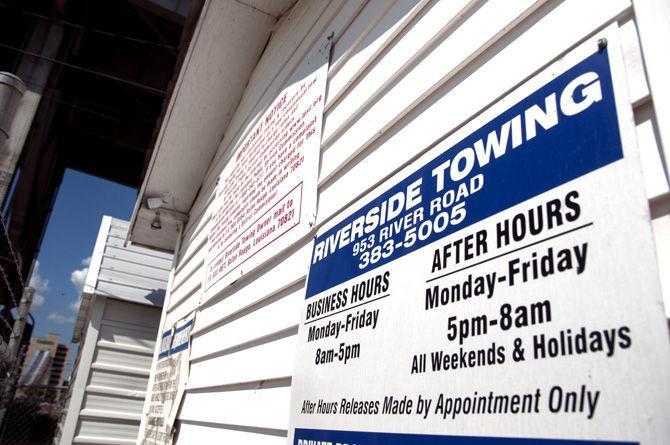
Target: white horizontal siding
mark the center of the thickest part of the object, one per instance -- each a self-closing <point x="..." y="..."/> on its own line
<point x="202" y="432"/>
<point x="403" y="74"/>
<point x="128" y="336"/>
<point x="119" y="373"/>
<point x="370" y="34"/>
<point x="133" y="269"/>
<point x="242" y="365"/>
<point x="129" y="313"/>
<point x="91" y="429"/>
<point x="257" y="407"/>
<point x="118" y="338"/>
<point x="116" y="380"/>
<point x="125" y="271"/>
<point x="122" y="358"/>
<point x="105" y="402"/>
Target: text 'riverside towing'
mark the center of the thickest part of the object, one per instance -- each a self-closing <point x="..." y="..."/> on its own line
<point x="577" y="96"/>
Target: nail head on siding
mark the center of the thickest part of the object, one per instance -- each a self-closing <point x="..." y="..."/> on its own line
<point x="602" y="44"/>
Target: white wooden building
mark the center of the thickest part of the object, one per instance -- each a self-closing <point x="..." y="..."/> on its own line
<point x="402" y="75"/>
<point x="116" y="331"/>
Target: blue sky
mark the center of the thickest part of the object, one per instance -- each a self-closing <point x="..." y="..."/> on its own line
<point x="81" y="202"/>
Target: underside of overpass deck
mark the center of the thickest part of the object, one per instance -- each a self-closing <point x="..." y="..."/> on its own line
<point x="99" y="73"/>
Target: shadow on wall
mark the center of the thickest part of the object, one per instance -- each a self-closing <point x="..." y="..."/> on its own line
<point x="156" y="297"/>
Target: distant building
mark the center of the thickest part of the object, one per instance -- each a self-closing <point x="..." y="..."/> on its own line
<point x="45" y="362"/>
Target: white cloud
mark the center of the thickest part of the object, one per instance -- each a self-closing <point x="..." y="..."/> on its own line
<point x="59" y="318"/>
<point x="74" y="306"/>
<point x="40" y="284"/>
<point x="78" y="278"/>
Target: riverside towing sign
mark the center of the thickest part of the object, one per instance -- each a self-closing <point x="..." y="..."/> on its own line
<point x="501" y="289"/>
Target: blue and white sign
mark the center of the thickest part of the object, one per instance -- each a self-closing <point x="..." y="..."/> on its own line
<point x="168" y="384"/>
<point x="501" y="289"/>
